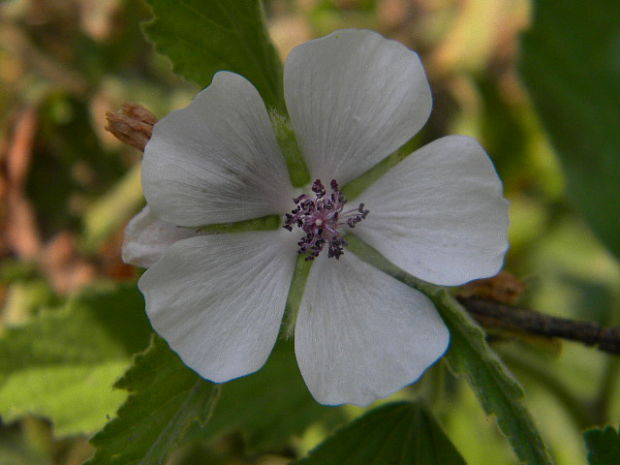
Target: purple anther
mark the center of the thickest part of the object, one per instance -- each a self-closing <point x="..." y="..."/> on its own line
<point x="321" y="218"/>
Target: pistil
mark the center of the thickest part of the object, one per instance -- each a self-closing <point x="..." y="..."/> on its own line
<point x="322" y="218"/>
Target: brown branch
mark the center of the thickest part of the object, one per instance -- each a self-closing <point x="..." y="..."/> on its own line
<point x="492" y="314"/>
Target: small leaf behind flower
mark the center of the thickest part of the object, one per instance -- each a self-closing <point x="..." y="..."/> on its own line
<point x="269" y="406"/>
<point x="397" y="434"/>
<point x="202" y="37"/>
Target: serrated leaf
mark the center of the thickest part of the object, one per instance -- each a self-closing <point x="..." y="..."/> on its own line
<point x="571" y="66"/>
<point x="603" y="446"/>
<point x="202" y="37"/>
<point x="498" y="392"/>
<point x="170" y="403"/>
<point x="270" y="406"/>
<point x="167" y="398"/>
<point x="470" y="356"/>
<point x="62" y="364"/>
<point x="400" y="433"/>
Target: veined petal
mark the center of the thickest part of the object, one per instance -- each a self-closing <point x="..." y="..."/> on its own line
<point x="147" y="238"/>
<point x="354" y="97"/>
<point x="361" y="334"/>
<point x="218" y="299"/>
<point x="440" y="214"/>
<point x="217" y="160"/>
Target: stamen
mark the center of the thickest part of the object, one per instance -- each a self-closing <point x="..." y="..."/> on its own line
<point x="322" y="218"/>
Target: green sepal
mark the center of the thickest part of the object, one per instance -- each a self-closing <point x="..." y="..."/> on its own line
<point x="296" y="292"/>
<point x="264" y="223"/>
<point x="354" y="188"/>
<point x="297" y="169"/>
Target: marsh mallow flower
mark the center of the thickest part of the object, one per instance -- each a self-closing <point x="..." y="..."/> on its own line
<point x="353" y="98"/>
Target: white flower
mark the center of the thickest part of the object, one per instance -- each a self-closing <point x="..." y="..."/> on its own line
<point x="353" y="97"/>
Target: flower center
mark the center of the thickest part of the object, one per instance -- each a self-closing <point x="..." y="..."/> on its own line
<point x="322" y="217"/>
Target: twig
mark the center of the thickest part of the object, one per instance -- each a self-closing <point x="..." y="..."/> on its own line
<point x="21" y="230"/>
<point x="492" y="314"/>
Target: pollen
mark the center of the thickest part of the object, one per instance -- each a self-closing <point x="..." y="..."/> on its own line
<point x="322" y="218"/>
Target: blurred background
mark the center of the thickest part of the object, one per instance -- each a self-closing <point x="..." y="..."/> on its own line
<point x="68" y="187"/>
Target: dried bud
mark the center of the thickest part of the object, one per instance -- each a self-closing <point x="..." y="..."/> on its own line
<point x="132" y="124"/>
<point x="505" y="288"/>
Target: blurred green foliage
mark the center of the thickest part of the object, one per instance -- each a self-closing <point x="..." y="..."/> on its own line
<point x="68" y="187"/>
<point x="61" y="364"/>
<point x="574" y="80"/>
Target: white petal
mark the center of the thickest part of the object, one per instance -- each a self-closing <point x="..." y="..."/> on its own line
<point x="440" y="214"/>
<point x="147" y="238"/>
<point x="354" y="97"/>
<point x="218" y="300"/>
<point x="362" y="335"/>
<point x="217" y="160"/>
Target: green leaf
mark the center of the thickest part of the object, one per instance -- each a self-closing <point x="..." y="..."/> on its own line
<point x="498" y="392"/>
<point x="400" y="433"/>
<point x="62" y="365"/>
<point x="470" y="356"/>
<point x="603" y="446"/>
<point x="170" y="403"/>
<point x="202" y="37"/>
<point x="166" y="400"/>
<point x="571" y="66"/>
<point x="270" y="406"/>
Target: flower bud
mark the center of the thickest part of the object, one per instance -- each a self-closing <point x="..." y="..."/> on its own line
<point x="132" y="124"/>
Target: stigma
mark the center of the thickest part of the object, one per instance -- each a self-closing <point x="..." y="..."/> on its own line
<point x="322" y="218"/>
